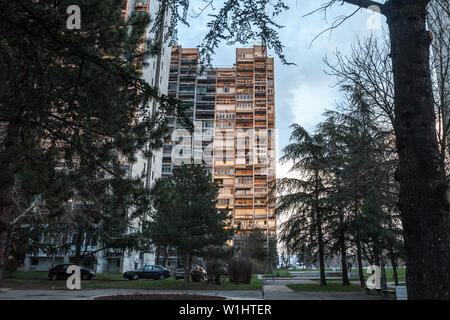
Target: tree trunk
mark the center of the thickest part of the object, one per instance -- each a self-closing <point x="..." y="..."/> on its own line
<point x="78" y="243"/>
<point x="187" y="270"/>
<point x="7" y="180"/>
<point x="3" y="257"/>
<point x="383" y="273"/>
<point x="157" y="255"/>
<point x="394" y="267"/>
<point x="393" y="259"/>
<point x="360" y="267"/>
<point x="423" y="199"/>
<point x="166" y="261"/>
<point x="323" y="281"/>
<point x="345" y="280"/>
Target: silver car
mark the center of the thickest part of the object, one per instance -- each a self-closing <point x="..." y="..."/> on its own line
<point x="179" y="271"/>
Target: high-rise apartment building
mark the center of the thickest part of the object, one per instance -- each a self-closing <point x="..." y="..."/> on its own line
<point x="156" y="73"/>
<point x="197" y="92"/>
<point x="233" y="111"/>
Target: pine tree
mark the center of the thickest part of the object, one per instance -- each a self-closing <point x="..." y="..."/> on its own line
<point x="185" y="216"/>
<point x="304" y="198"/>
<point x="361" y="159"/>
<point x="70" y="101"/>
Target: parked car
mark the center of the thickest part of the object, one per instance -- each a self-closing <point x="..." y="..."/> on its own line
<point x="148" y="272"/>
<point x="225" y="270"/>
<point x="59" y="272"/>
<point x="179" y="271"/>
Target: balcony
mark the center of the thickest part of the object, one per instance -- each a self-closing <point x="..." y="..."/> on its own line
<point x="260" y="181"/>
<point x="113" y="253"/>
<point x="260" y="202"/>
<point x="244" y="116"/>
<point x="244" y="172"/>
<point x="244" y="203"/>
<point x="141" y="5"/>
<point x="260" y="191"/>
<point x="244" y="125"/>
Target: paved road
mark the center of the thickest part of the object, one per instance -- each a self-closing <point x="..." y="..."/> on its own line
<point x="273" y="290"/>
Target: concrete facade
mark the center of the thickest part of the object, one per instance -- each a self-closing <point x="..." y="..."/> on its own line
<point x="233" y="110"/>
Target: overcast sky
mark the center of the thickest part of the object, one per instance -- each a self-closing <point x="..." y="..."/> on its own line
<point x="304" y="91"/>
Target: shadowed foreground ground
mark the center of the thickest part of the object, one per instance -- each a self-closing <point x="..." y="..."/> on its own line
<point x="160" y="297"/>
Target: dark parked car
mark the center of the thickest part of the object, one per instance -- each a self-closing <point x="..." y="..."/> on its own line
<point x="148" y="272"/>
<point x="59" y="272"/>
<point x="179" y="271"/>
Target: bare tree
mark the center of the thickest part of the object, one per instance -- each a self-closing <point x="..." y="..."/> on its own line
<point x="369" y="69"/>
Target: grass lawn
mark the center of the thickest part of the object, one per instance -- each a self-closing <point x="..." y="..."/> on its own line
<point x="331" y="286"/>
<point x="400" y="272"/>
<point x="170" y="283"/>
<point x="389" y="274"/>
<point x="39" y="280"/>
<point x="31" y="275"/>
<point x="279" y="273"/>
<point x="109" y="276"/>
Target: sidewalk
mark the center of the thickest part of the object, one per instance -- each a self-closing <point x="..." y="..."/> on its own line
<point x="272" y="290"/>
<point x="91" y="293"/>
<point x="277" y="290"/>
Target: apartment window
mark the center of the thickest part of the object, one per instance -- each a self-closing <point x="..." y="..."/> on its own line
<point x="243" y="141"/>
<point x="244" y="55"/>
<point x="34" y="261"/>
<point x="224" y="125"/>
<point x="245" y="105"/>
<point x="244" y="180"/>
<point x="224" y="202"/>
<point x="244" y="96"/>
<point x="223" y="171"/>
<point x="225" y="116"/>
<point x="225" y="192"/>
<point x="243" y="191"/>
